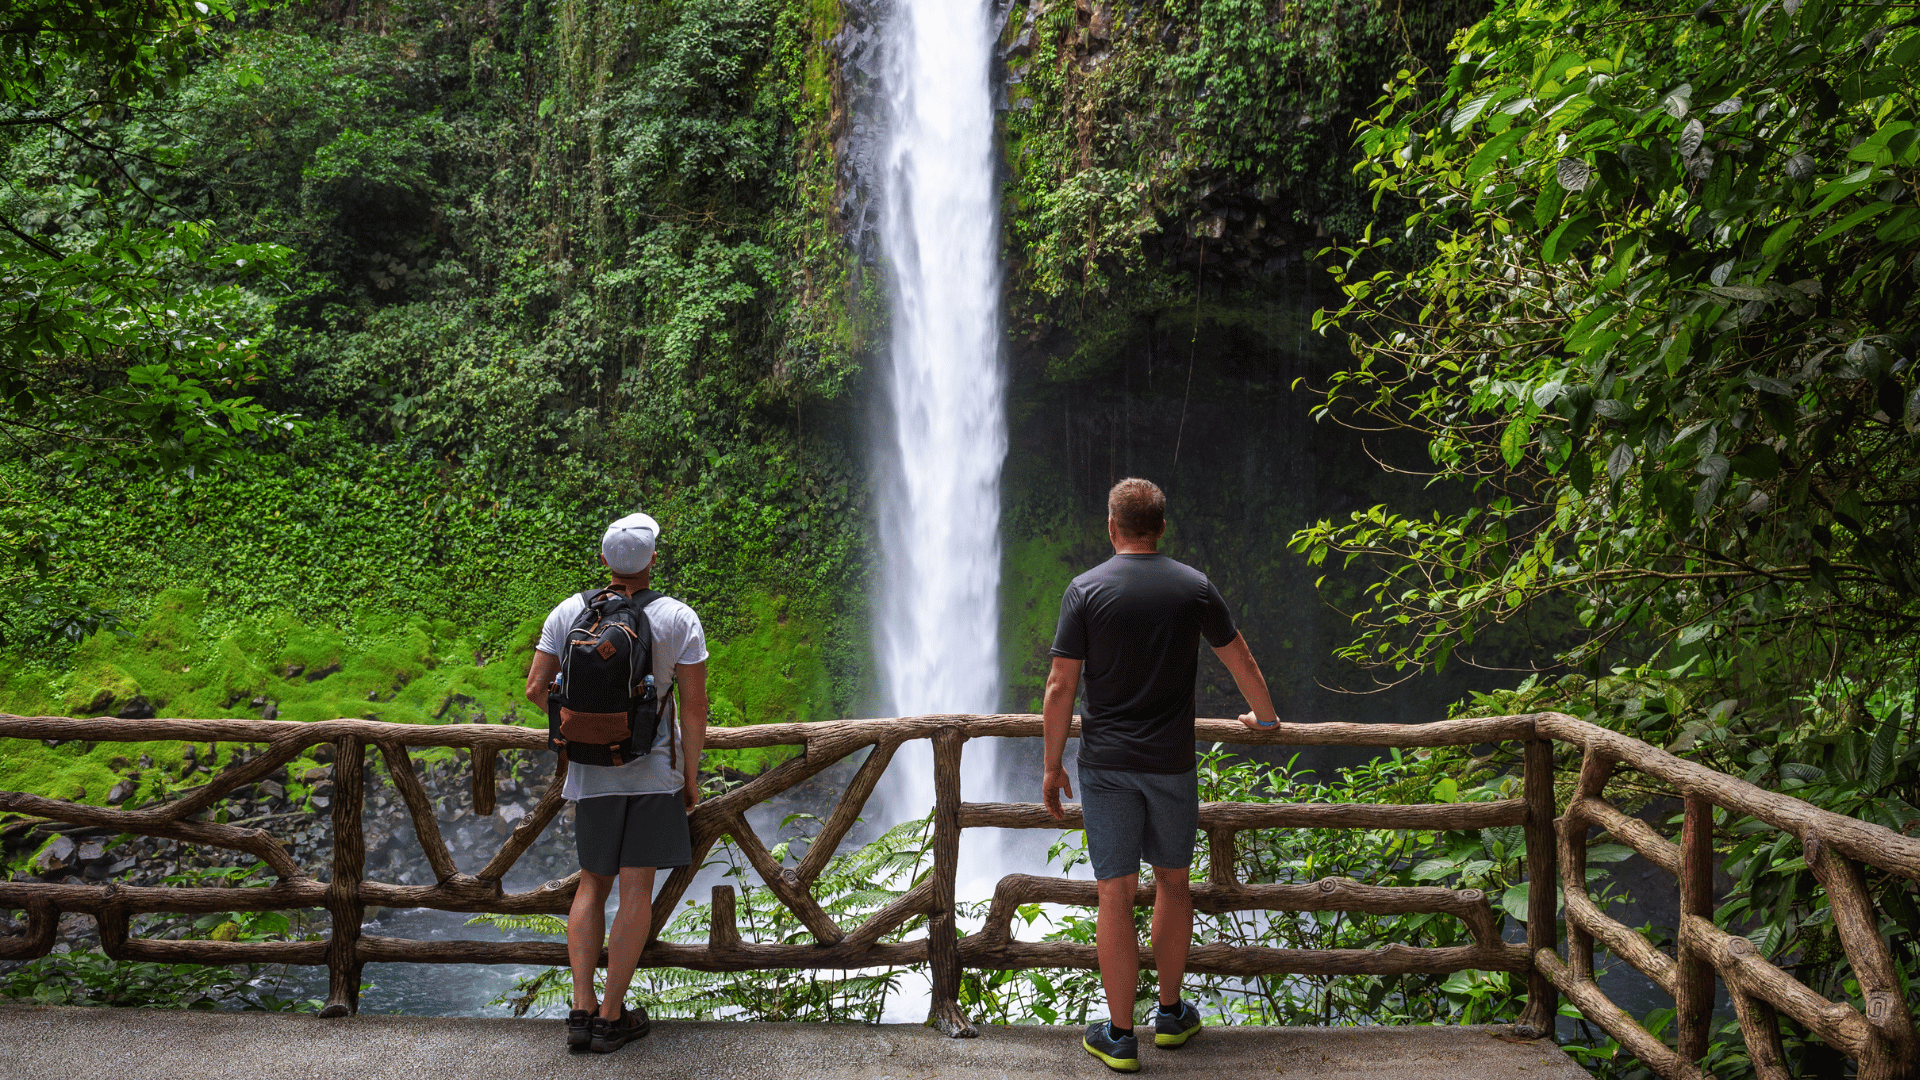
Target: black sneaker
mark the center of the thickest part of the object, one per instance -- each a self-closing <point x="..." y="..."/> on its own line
<point x="579" y="1030"/>
<point x="611" y="1035"/>
<point x="1120" y="1053"/>
<point x="1172" y="1029"/>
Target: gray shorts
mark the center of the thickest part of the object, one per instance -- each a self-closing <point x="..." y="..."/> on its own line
<point x="612" y="831"/>
<point x="1136" y="817"/>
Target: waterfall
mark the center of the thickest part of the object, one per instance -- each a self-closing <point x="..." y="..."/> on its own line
<point x="945" y="436"/>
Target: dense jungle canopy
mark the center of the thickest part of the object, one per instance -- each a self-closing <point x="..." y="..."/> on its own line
<point x="1574" y="344"/>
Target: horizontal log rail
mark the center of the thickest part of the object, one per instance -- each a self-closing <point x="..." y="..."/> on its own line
<point x="1880" y="1036"/>
<point x="1881" y="1039"/>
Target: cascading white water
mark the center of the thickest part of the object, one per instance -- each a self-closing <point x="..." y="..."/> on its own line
<point x="946" y="438"/>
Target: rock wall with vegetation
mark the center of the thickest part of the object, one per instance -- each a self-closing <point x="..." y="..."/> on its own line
<point x="544" y="262"/>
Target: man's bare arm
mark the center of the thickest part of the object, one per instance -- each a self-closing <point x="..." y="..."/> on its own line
<point x="691" y="680"/>
<point x="540" y="679"/>
<point x="1056" y="720"/>
<point x="1253" y="685"/>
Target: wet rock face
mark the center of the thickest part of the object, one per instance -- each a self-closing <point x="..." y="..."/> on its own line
<point x="860" y="128"/>
<point x="861" y="113"/>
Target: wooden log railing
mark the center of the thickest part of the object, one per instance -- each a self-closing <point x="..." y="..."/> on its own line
<point x="1880" y="1037"/>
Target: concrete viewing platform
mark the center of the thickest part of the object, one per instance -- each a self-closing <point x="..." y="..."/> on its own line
<point x="142" y="1044"/>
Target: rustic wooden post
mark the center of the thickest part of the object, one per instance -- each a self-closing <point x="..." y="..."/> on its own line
<point x="1595" y="771"/>
<point x="1693" y="980"/>
<point x="723" y="927"/>
<point x="1760" y="1027"/>
<point x="1543" y="879"/>
<point x="1220" y="856"/>
<point x="1892" y="1053"/>
<point x="943" y="950"/>
<point x="349" y="867"/>
<point x="483" y="782"/>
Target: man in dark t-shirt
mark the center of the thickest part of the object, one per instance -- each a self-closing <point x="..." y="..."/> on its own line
<point x="1132" y="627"/>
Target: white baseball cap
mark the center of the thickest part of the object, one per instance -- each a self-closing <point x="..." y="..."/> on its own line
<point x="629" y="542"/>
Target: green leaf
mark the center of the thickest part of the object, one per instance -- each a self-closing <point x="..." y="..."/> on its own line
<point x="1494" y="149"/>
<point x="1757" y="462"/>
<point x="1865" y="213"/>
<point x="1901" y="227"/>
<point x="1514" y="902"/>
<point x="1547" y="206"/>
<point x="1513" y="441"/>
<point x="1691" y="136"/>
<point x="1880" y="755"/>
<point x="1821" y="572"/>
<point x="1561" y="242"/>
<point x="1777" y="239"/>
<point x="1677" y="100"/>
<point x="1580" y="472"/>
<point x="1573" y="174"/>
<point x="1470" y="110"/>
<point x="1619" y="462"/>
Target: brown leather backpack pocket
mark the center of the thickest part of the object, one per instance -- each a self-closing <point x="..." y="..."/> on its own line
<point x="605" y="728"/>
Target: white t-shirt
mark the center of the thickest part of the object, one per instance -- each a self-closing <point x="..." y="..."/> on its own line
<point x="677" y="639"/>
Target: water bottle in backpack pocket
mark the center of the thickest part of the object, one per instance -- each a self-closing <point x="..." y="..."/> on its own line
<point x="608" y="709"/>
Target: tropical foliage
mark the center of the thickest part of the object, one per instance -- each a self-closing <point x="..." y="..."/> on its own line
<point x="1661" y="337"/>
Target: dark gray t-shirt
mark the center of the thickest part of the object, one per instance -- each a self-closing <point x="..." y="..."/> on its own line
<point x="1136" y="621"/>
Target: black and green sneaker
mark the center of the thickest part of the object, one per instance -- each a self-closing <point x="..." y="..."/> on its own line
<point x="579" y="1030"/>
<point x="1120" y="1053"/>
<point x="1173" y="1027"/>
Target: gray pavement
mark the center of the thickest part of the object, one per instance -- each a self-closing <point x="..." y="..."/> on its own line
<point x="135" y="1044"/>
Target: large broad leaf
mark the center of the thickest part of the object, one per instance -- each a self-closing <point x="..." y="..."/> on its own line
<point x="1514" y="902"/>
<point x="1691" y="137"/>
<point x="1880" y="755"/>
<point x="1561" y="242"/>
<point x="1513" y="442"/>
<point x="1678" y="100"/>
<point x="1901" y="227"/>
<point x="1619" y="461"/>
<point x="1497" y="147"/>
<point x="1471" y="109"/>
<point x="1777" y="240"/>
<point x="1864" y="214"/>
<point x="1757" y="462"/>
<point x="1573" y="174"/>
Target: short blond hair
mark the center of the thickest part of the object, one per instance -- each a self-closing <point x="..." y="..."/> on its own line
<point x="1138" y="508"/>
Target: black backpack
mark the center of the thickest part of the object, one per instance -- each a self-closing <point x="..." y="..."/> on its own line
<point x="607" y="710"/>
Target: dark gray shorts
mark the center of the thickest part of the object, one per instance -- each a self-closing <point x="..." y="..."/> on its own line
<point x="612" y="831"/>
<point x="1136" y="817"/>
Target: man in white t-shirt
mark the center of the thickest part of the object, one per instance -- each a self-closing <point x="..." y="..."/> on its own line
<point x="631" y="819"/>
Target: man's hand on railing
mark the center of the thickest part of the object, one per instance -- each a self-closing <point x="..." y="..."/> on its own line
<point x="1051" y="785"/>
<point x="1253" y="722"/>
